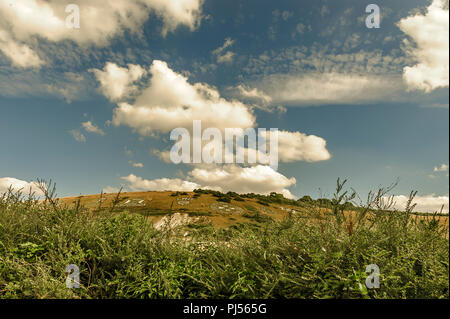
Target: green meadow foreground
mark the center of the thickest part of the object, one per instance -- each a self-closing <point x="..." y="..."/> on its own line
<point x="204" y="244"/>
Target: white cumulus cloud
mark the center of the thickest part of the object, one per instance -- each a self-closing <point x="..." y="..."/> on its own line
<point x="297" y="146"/>
<point x="110" y="189"/>
<point x="101" y="20"/>
<point x="137" y="183"/>
<point x="429" y="34"/>
<point x="116" y="83"/>
<point x="92" y="128"/>
<point x="18" y="185"/>
<point x="425" y="204"/>
<point x="170" y="101"/>
<point x="21" y="55"/>
<point x="257" y="179"/>
<point x="442" y="168"/>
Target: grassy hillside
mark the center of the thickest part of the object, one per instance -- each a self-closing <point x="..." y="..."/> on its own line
<point x="261" y="249"/>
<point x="220" y="209"/>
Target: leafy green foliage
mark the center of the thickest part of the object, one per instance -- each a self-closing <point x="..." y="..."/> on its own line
<point x="120" y="255"/>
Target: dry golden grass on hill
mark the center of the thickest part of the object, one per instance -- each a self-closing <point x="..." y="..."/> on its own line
<point x="157" y="204"/>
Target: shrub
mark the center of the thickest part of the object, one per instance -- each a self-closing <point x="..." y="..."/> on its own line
<point x="225" y="199"/>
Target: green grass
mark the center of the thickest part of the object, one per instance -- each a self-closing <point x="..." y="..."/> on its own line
<point x="120" y="255"/>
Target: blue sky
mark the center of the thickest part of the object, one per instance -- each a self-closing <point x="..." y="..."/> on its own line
<point x="370" y="105"/>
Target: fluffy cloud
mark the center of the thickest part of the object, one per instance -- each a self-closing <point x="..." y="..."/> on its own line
<point x="425" y="204"/>
<point x="258" y="179"/>
<point x="139" y="184"/>
<point x="16" y="184"/>
<point x="175" y="13"/>
<point x="101" y="20"/>
<point x="116" y="83"/>
<point x="21" y="55"/>
<point x="296" y="146"/>
<point x="92" y="128"/>
<point x="442" y="168"/>
<point x="430" y="48"/>
<point x="292" y="147"/>
<point x="170" y="101"/>
<point x="110" y="189"/>
<point x="318" y="74"/>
